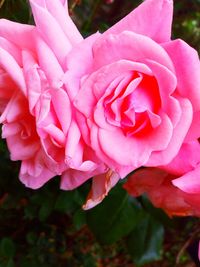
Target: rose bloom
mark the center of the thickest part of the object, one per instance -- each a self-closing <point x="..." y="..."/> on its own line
<point x="175" y="187"/>
<point x="101" y="106"/>
<point x="137" y="92"/>
<point x="37" y="116"/>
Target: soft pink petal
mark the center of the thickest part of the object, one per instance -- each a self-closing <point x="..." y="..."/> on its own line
<point x="56" y="134"/>
<point x="65" y="4"/>
<point x="99" y="82"/>
<point x="48" y="62"/>
<point x="19" y="34"/>
<point x="166" y="80"/>
<point x="7" y="87"/>
<point x="62" y="107"/>
<point x="32" y="79"/>
<point x="12" y="49"/>
<point x="21" y="149"/>
<point x="129" y="46"/>
<point x="34" y="172"/>
<point x="43" y="110"/>
<point x="190" y="182"/>
<point x="54" y="159"/>
<point x="159" y="158"/>
<point x="72" y="142"/>
<point x="187" y="67"/>
<point x="72" y="179"/>
<point x="15" y="109"/>
<point x="194" y="131"/>
<point x="80" y="53"/>
<point x="48" y="27"/>
<point x="136" y="151"/>
<point x="167" y="83"/>
<point x="59" y="10"/>
<point x="187" y="159"/>
<point x="11" y="66"/>
<point x="152" y="18"/>
<point x="10" y="129"/>
<point x="61" y="15"/>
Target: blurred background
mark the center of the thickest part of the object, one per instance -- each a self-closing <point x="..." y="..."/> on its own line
<point x="47" y="227"/>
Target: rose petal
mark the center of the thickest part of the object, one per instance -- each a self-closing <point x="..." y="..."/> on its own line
<point x="190" y="182"/>
<point x="129" y="46"/>
<point x="186" y="62"/>
<point x="48" y="62"/>
<point x="152" y="18"/>
<point x="19" y="34"/>
<point x="34" y="172"/>
<point x="62" y="17"/>
<point x="101" y="185"/>
<point x="49" y="27"/>
<point x="11" y="66"/>
<point x="187" y="159"/>
<point x="12" y="49"/>
<point x="136" y="151"/>
<point x="159" y="158"/>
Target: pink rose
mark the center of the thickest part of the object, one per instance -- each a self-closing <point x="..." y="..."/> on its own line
<point x="174" y="187"/>
<point x="157" y="184"/>
<point x="137" y="92"/>
<point x="37" y="115"/>
<point x="186" y="167"/>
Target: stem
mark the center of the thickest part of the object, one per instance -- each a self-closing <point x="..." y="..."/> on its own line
<point x="91" y="17"/>
<point x="2" y="2"/>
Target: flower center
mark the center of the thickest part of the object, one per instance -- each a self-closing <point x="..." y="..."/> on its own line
<point x="133" y="103"/>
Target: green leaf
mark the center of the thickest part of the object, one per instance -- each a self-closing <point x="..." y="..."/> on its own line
<point x="30" y="212"/>
<point x="65" y="202"/>
<point x="157" y="213"/>
<point x="145" y="241"/>
<point x="46" y="209"/>
<point x="10" y="263"/>
<point x="15" y="10"/>
<point x="7" y="247"/>
<point x="114" y="218"/>
<point x="79" y="219"/>
<point x="31" y="238"/>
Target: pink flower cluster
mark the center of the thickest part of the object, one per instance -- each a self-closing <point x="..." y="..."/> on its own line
<point x="103" y="106"/>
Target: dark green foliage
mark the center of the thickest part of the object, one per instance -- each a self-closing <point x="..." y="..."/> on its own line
<point x="187" y="22"/>
<point x="7" y="248"/>
<point x="18" y="11"/>
<point x="115" y="217"/>
<point x="145" y="241"/>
